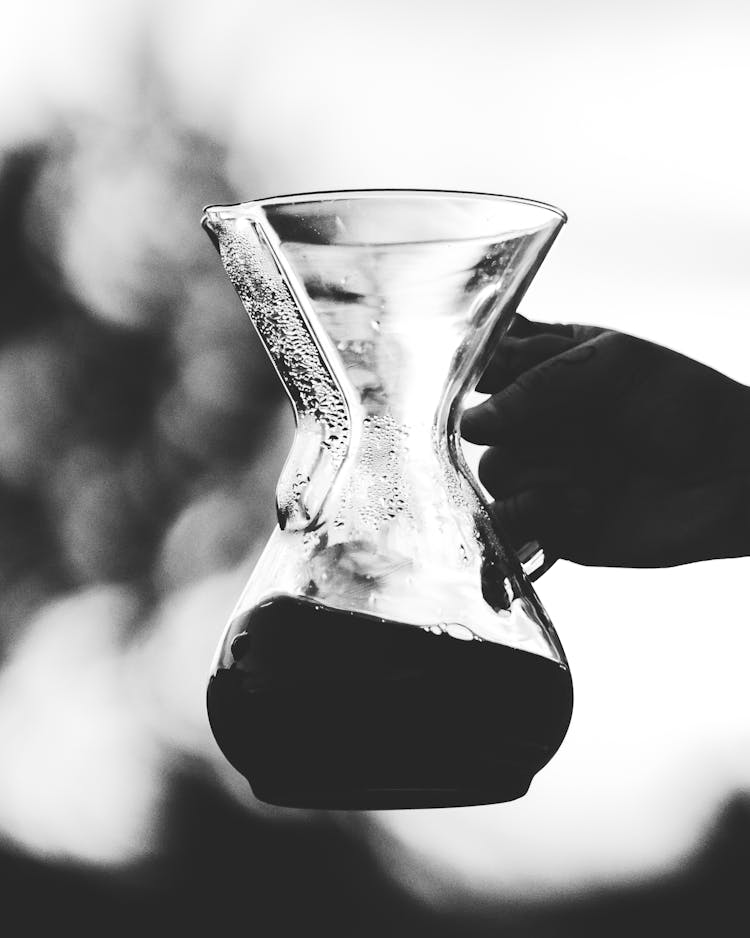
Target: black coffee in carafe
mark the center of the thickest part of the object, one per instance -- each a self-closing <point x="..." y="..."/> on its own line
<point x="321" y="708"/>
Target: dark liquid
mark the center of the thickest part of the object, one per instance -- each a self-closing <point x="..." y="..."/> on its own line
<point x="328" y="709"/>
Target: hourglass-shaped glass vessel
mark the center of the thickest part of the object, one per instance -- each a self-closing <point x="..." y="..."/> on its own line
<point x="389" y="650"/>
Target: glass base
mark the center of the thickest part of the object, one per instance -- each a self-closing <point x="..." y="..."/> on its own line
<point x="395" y="799"/>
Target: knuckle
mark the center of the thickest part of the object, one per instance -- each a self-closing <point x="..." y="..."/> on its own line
<point x="489" y="469"/>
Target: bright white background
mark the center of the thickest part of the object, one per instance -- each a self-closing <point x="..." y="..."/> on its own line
<point x="632" y="118"/>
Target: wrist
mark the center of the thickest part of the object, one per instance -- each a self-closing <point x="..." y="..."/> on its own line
<point x="738" y="436"/>
<point x="738" y="482"/>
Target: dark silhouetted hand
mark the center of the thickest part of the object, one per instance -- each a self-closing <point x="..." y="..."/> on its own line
<point x="612" y="451"/>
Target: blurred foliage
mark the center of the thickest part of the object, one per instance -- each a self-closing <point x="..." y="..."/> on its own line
<point x="129" y="385"/>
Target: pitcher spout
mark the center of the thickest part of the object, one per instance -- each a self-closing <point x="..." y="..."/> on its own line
<point x="207" y="224"/>
<point x="218" y="221"/>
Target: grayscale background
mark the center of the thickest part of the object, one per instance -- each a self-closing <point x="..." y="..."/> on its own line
<point x="142" y="431"/>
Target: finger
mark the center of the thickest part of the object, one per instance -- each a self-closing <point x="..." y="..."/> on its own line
<point x="560" y="518"/>
<point x="521" y="517"/>
<point x="557" y="391"/>
<point x="515" y="355"/>
<point x="504" y="472"/>
<point x="523" y="328"/>
<point x="528" y="343"/>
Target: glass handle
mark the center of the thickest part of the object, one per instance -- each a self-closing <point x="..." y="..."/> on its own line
<point x="535" y="560"/>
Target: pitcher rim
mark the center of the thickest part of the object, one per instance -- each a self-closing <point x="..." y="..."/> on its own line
<point x="246" y="207"/>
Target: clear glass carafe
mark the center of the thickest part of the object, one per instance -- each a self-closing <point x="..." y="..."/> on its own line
<point x="389" y="650"/>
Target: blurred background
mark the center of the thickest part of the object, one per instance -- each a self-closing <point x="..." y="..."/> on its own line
<point x="142" y="432"/>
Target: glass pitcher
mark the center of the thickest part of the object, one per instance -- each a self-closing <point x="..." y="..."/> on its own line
<point x="389" y="650"/>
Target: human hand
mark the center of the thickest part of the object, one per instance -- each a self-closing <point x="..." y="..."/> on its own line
<point x="613" y="451"/>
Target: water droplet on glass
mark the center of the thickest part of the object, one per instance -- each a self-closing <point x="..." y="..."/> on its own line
<point x="456" y="630"/>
